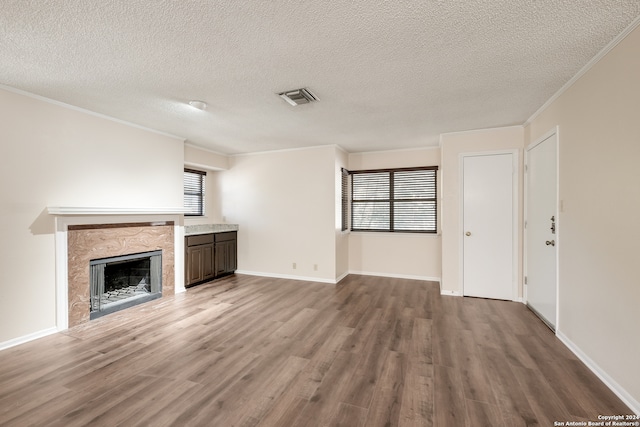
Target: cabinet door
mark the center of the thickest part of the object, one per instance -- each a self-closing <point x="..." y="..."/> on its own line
<point x="207" y="262"/>
<point x="220" y="258"/>
<point x="226" y="258"/>
<point x="232" y="256"/>
<point x="194" y="268"/>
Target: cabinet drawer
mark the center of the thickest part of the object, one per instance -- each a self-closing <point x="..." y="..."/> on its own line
<point x="200" y="239"/>
<point x="223" y="237"/>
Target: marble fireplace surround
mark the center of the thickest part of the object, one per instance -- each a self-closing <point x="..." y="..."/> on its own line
<point x="85" y="235"/>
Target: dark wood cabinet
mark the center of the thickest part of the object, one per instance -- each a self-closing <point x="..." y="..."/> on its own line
<point x="199" y="258"/>
<point x="208" y="256"/>
<point x="225" y="250"/>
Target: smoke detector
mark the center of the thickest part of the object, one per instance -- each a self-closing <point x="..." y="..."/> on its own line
<point x="298" y="96"/>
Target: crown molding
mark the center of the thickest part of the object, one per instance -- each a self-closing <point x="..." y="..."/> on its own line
<point x="585" y="69"/>
<point x="88" y="112"/>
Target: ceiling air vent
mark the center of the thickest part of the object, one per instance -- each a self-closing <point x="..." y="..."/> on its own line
<point x="298" y="96"/>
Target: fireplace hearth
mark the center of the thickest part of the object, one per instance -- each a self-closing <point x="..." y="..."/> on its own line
<point x="123" y="281"/>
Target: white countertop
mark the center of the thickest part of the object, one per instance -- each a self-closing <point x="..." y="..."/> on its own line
<point x="192" y="230"/>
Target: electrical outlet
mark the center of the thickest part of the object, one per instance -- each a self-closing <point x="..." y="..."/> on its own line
<point x="315" y="267"/>
<point x="294" y="266"/>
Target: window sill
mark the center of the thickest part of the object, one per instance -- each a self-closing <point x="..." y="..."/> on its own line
<point x="395" y="233"/>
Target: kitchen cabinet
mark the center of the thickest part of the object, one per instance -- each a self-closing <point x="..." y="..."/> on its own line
<point x="208" y="256"/>
<point x="198" y="258"/>
<point x="225" y="252"/>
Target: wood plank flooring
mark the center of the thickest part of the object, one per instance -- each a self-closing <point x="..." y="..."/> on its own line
<point x="251" y="351"/>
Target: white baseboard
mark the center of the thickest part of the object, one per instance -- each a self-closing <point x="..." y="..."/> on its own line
<point x="286" y="276"/>
<point x="628" y="400"/>
<point x="396" y="276"/>
<point x="321" y="280"/>
<point x="458" y="294"/>
<point x="342" y="276"/>
<point x="26" y="338"/>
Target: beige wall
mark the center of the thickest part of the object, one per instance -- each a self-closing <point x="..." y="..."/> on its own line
<point x="395" y="254"/>
<point x="599" y="231"/>
<point x="199" y="158"/>
<point x="213" y="202"/>
<point x="284" y="202"/>
<point x="212" y="163"/>
<point x="281" y="215"/>
<point x="52" y="155"/>
<point x="342" y="237"/>
<point x="452" y="145"/>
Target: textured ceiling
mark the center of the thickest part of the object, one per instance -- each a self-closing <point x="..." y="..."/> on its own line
<point x="389" y="74"/>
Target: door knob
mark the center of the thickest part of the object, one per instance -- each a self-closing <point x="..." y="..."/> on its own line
<point x="468" y="233"/>
<point x="550" y="243"/>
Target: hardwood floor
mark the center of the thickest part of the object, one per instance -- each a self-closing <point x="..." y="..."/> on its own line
<point x="247" y="351"/>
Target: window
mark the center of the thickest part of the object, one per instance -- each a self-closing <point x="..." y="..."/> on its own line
<point x="401" y="200"/>
<point x="194" y="192"/>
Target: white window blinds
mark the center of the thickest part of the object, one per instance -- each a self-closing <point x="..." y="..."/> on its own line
<point x="403" y="200"/>
<point x="194" y="192"/>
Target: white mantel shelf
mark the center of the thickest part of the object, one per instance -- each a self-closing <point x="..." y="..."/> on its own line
<point x="60" y="210"/>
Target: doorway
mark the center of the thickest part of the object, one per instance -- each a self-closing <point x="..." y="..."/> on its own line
<point x="541" y="227"/>
<point x="489" y="237"/>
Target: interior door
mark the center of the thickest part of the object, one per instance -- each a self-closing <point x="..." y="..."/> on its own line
<point x="488" y="220"/>
<point x="541" y="228"/>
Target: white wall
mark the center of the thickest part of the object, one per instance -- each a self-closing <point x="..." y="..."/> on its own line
<point x="410" y="255"/>
<point x="284" y="203"/>
<point x="453" y="144"/>
<point x="599" y="230"/>
<point x="58" y="156"/>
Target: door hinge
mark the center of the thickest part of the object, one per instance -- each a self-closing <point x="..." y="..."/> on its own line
<point x="525" y="280"/>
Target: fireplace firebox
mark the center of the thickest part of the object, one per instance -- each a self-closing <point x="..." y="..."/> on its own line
<point x="123" y="281"/>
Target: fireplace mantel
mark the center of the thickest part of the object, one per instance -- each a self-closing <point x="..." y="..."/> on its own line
<point x="71" y="219"/>
<point x="79" y="210"/>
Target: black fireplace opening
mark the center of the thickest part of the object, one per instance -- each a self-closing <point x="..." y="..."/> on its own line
<point x="125" y="274"/>
<point x="124" y="281"/>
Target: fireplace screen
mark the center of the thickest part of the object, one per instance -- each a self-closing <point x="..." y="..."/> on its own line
<point x="123" y="281"/>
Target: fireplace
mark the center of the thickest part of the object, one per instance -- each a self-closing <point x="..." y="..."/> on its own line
<point x="123" y="281"/>
<point x="86" y="243"/>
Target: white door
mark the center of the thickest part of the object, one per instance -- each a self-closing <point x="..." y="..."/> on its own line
<point x="488" y="220"/>
<point x="541" y="228"/>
